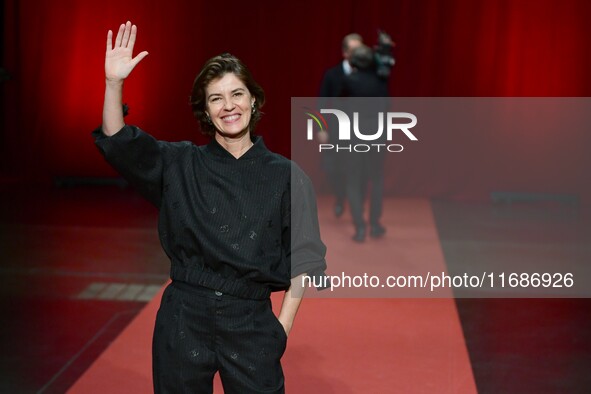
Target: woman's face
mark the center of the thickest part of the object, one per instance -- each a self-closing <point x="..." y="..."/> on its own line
<point x="229" y="105"/>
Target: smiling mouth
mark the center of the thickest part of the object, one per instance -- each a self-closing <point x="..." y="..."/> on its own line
<point x="231" y="118"/>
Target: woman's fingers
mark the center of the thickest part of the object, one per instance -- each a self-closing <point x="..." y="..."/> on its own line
<point x="126" y="34"/>
<point x="119" y="36"/>
<point x="138" y="58"/>
<point x="125" y="37"/>
<point x="109" y="40"/>
<point x="132" y="36"/>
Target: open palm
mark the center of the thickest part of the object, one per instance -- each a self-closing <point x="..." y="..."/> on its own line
<point x="119" y="60"/>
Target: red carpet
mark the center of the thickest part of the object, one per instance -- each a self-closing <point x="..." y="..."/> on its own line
<point x="342" y="345"/>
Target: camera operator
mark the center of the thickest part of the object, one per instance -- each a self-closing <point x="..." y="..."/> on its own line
<point x="368" y="79"/>
<point x="332" y="86"/>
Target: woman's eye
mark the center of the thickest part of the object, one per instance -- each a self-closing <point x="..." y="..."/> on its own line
<point x="215" y="99"/>
<point x="238" y="94"/>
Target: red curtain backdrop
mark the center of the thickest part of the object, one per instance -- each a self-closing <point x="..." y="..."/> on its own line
<point x="54" y="52"/>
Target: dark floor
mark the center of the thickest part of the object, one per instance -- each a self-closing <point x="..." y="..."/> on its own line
<point x="522" y="345"/>
<point x="63" y="306"/>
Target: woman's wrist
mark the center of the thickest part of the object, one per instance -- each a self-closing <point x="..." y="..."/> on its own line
<point x="114" y="82"/>
<point x="286" y="325"/>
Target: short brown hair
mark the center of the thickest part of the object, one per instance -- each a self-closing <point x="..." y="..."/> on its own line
<point x="215" y="68"/>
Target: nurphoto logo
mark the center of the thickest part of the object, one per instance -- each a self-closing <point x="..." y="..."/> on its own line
<point x="350" y="131"/>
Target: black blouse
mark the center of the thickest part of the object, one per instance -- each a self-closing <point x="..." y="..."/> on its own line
<point x="242" y="226"/>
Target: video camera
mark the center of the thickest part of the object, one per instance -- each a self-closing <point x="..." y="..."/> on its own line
<point x="383" y="54"/>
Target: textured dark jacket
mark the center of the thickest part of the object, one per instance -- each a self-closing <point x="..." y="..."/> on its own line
<point x="241" y="226"/>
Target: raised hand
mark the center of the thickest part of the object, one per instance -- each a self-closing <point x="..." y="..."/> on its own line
<point x="118" y="59"/>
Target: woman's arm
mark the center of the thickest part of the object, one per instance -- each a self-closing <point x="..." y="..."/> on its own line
<point x="301" y="237"/>
<point x="136" y="155"/>
<point x="291" y="302"/>
<point x="118" y="65"/>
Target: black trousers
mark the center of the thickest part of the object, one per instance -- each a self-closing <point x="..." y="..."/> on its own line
<point x="200" y="331"/>
<point x="364" y="169"/>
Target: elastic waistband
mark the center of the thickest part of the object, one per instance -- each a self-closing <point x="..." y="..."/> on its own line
<point x="208" y="281"/>
<point x="201" y="290"/>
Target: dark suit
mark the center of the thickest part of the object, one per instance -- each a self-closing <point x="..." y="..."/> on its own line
<point x="333" y="85"/>
<point x="333" y="82"/>
<point x="364" y="83"/>
<point x="364" y="168"/>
